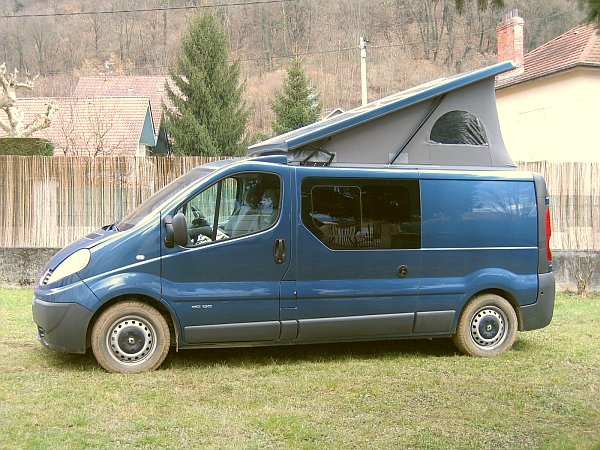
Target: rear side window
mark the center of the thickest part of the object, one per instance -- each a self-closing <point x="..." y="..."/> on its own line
<point x="470" y="213"/>
<point x="362" y="214"/>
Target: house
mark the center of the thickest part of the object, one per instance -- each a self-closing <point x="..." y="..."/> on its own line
<point x="152" y="87"/>
<point x="548" y="105"/>
<point x="96" y="126"/>
<point x="451" y="121"/>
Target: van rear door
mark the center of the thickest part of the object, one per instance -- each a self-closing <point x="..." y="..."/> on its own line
<point x="479" y="233"/>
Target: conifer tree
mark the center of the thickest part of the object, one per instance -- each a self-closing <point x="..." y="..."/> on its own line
<point x="592" y="8"/>
<point x="210" y="115"/>
<point x="297" y="104"/>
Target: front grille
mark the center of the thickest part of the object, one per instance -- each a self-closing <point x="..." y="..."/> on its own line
<point x="46" y="277"/>
<point x="41" y="332"/>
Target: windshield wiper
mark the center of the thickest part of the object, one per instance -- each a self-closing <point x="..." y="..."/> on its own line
<point x="112" y="226"/>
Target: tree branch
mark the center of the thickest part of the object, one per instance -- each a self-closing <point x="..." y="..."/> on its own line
<point x="5" y="127"/>
<point x="3" y="79"/>
<point x="40" y="121"/>
<point x="13" y="81"/>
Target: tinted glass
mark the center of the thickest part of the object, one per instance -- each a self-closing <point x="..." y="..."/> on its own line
<point x="363" y="213"/>
<point x="459" y="127"/>
<point x="468" y="214"/>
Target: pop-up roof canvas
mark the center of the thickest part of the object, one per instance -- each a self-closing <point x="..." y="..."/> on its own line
<point x="451" y="121"/>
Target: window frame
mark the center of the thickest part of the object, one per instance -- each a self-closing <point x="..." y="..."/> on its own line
<point x="239" y="189"/>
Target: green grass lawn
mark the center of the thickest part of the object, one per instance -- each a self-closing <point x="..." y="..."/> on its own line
<point x="543" y="393"/>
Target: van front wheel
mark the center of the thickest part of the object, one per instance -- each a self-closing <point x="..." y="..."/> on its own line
<point x="130" y="337"/>
<point x="487" y="326"/>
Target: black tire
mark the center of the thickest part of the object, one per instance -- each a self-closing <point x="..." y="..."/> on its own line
<point x="487" y="326"/>
<point x="130" y="337"/>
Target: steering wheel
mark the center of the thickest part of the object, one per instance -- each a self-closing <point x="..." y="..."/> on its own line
<point x="197" y="214"/>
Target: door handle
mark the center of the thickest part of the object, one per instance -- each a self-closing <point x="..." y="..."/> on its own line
<point x="279" y="251"/>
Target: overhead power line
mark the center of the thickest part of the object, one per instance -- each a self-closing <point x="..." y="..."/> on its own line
<point x="338" y="49"/>
<point x="158" y="8"/>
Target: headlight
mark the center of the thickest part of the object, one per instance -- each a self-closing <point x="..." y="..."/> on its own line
<point x="73" y="263"/>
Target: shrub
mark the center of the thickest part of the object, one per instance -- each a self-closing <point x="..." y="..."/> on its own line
<point x="26" y="147"/>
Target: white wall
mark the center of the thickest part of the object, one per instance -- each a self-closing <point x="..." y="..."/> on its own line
<point x="555" y="118"/>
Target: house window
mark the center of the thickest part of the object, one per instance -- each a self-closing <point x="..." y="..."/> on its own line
<point x="361" y="214"/>
<point x="459" y="127"/>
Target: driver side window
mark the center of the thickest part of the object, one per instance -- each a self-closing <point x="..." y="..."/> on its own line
<point x="233" y="207"/>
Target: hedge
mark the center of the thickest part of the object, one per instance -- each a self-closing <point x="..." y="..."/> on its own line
<point x="26" y="147"/>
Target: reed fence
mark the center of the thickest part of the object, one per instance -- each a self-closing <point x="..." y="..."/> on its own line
<point x="574" y="189"/>
<point x="51" y="201"/>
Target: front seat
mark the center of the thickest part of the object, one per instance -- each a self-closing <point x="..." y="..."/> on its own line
<point x="268" y="208"/>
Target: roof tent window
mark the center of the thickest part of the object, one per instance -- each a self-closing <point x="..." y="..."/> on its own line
<point x="459" y="127"/>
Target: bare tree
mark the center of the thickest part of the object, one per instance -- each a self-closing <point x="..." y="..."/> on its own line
<point x="97" y="137"/>
<point x="125" y="35"/>
<point x="297" y="21"/>
<point x="581" y="238"/>
<point x="411" y="40"/>
<point x="67" y="145"/>
<point x="97" y="26"/>
<point x="87" y="128"/>
<point x="582" y="266"/>
<point x="16" y="120"/>
<point x="431" y="17"/>
<point x="267" y="26"/>
<point x="44" y="44"/>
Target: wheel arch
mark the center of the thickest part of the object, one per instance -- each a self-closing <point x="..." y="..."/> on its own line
<point x="505" y="295"/>
<point x="162" y="308"/>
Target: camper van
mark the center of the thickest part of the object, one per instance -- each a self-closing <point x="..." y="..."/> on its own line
<point x="302" y="242"/>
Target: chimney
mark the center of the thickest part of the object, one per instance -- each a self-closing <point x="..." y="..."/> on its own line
<point x="510" y="43"/>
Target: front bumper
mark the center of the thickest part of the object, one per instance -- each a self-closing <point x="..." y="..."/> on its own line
<point x="539" y="314"/>
<point x="61" y="325"/>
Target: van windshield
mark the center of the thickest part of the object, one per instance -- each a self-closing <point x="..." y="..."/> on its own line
<point x="151" y="204"/>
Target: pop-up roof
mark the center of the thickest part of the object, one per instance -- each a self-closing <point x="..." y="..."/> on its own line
<point x="451" y="121"/>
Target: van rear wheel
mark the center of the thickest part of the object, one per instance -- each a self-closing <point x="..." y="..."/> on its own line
<point x="130" y="337"/>
<point x="487" y="326"/>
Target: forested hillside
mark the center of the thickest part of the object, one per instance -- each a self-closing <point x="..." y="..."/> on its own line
<point x="410" y="41"/>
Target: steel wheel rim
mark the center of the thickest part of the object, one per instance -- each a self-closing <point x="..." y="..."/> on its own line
<point x="488" y="327"/>
<point x="131" y="340"/>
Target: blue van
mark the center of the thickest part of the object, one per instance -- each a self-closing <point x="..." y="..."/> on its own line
<point x="403" y="218"/>
<point x="260" y="251"/>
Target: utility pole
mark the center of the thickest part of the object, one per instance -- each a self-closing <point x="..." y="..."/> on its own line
<point x="363" y="69"/>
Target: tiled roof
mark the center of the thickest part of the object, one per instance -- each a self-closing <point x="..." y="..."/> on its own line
<point x="579" y="46"/>
<point x="152" y="87"/>
<point x="97" y="126"/>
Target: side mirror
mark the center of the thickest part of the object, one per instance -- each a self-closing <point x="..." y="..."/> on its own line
<point x="180" y="229"/>
<point x="177" y="232"/>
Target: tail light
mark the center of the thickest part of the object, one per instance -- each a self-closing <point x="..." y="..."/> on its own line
<point x="548" y="234"/>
